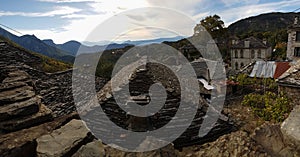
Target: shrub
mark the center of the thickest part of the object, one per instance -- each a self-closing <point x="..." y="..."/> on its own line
<point x="269" y="106"/>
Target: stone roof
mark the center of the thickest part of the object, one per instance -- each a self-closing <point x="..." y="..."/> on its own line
<point x="292" y="75"/>
<point x="254" y="43"/>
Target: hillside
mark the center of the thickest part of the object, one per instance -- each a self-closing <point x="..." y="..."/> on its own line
<point x="32" y="43"/>
<point x="17" y="55"/>
<point x="262" y="23"/>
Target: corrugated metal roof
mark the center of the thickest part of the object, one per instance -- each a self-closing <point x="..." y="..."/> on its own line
<point x="263" y="69"/>
<point x="269" y="69"/>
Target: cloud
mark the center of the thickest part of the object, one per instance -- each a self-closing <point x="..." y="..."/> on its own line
<point x="82" y="20"/>
<point x="229" y="3"/>
<point x="57" y="11"/>
<point x="67" y="1"/>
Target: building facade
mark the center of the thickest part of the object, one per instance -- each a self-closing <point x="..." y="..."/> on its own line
<point x="293" y="46"/>
<point x="248" y="51"/>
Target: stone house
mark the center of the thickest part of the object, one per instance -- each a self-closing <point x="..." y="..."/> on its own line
<point x="248" y="51"/>
<point x="289" y="82"/>
<point x="293" y="45"/>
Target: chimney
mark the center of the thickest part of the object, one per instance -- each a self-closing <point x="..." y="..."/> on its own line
<point x="247" y="43"/>
<point x="265" y="41"/>
<point x="233" y="42"/>
<point x="296" y="21"/>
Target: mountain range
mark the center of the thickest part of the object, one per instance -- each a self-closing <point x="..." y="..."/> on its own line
<point x="32" y="43"/>
<point x="75" y="48"/>
<point x="67" y="51"/>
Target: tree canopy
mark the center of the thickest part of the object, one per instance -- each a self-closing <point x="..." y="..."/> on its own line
<point x="213" y="24"/>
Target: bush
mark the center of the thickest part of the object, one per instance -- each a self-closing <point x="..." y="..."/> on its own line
<point x="269" y="106"/>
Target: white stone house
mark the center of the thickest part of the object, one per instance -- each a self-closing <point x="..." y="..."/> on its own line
<point x="293" y="46"/>
<point x="248" y="51"/>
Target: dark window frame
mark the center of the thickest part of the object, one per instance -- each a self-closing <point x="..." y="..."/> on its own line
<point x="297" y="52"/>
<point x="252" y="54"/>
<point x="241" y="53"/>
<point x="297" y="35"/>
<point x="259" y="54"/>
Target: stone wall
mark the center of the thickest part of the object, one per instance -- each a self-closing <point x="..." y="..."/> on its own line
<point x="292" y="92"/>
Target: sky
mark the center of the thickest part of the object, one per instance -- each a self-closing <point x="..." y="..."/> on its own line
<point x="64" y="20"/>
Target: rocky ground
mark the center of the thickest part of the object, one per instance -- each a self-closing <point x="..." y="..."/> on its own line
<point x="38" y="118"/>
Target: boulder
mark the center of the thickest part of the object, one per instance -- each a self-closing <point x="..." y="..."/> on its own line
<point x="291" y="129"/>
<point x="270" y="137"/>
<point x="64" y="141"/>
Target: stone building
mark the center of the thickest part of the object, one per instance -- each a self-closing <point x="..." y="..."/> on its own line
<point x="248" y="51"/>
<point x="293" y="46"/>
<point x="289" y="82"/>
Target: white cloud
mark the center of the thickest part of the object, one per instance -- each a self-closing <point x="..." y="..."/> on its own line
<point x="59" y="10"/>
<point x="66" y="1"/>
<point x="81" y="24"/>
<point x="189" y="7"/>
<point x="240" y="2"/>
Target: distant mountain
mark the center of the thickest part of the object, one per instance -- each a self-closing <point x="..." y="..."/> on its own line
<point x="72" y="47"/>
<point x="263" y="23"/>
<point x="153" y="41"/>
<point x="32" y="43"/>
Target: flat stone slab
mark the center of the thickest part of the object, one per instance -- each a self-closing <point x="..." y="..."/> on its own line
<point x="17" y="94"/>
<point x="12" y="85"/>
<point x="20" y="109"/>
<point x="63" y="141"/>
<point x="22" y="142"/>
<point x="44" y="114"/>
<point x="93" y="149"/>
<point x="16" y="76"/>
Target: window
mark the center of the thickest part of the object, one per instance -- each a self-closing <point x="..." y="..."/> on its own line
<point x="236" y="54"/>
<point x="297" y="36"/>
<point x="297" y="52"/>
<point x="252" y="54"/>
<point x="259" y="54"/>
<point x="242" y="65"/>
<point x="236" y="66"/>
<point x="242" y="54"/>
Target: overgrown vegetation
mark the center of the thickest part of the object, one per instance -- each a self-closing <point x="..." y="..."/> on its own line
<point x="50" y="65"/>
<point x="269" y="106"/>
<point x="264" y="100"/>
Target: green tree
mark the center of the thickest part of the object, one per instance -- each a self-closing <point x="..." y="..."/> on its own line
<point x="213" y="24"/>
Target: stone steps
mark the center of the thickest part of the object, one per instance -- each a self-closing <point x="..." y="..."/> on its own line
<point x="20" y="107"/>
<point x="44" y="114"/>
